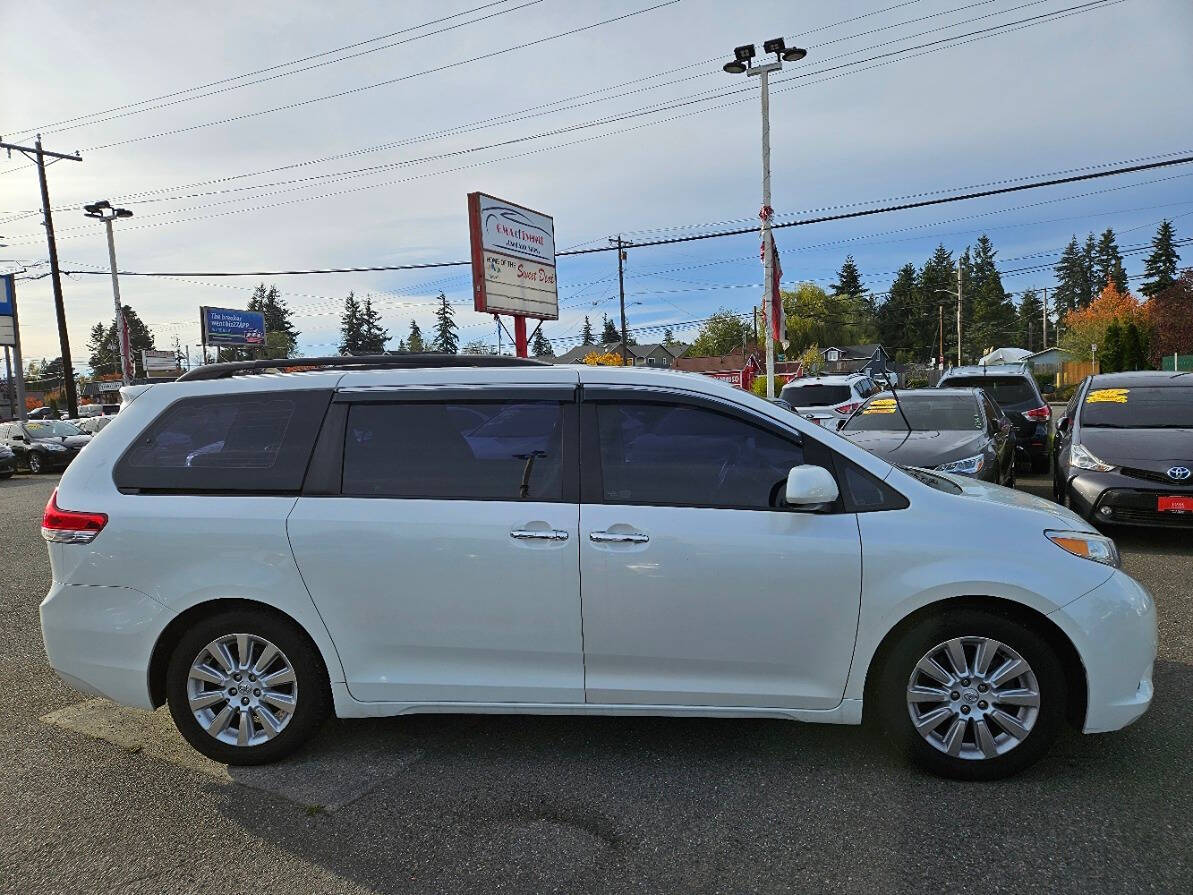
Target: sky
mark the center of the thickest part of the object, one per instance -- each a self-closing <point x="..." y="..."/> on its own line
<point x="866" y="117"/>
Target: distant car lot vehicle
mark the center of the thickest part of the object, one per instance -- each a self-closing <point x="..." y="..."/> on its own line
<point x="43" y="445"/>
<point x="952" y="430"/>
<point x="387" y="536"/>
<point x="1124" y="450"/>
<point x="1013" y="388"/>
<point x="828" y="400"/>
<point x="93" y="425"/>
<point x="8" y="461"/>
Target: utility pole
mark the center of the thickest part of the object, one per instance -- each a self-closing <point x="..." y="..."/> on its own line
<point x="104" y="211"/>
<point x="1044" y="347"/>
<point x="38" y="156"/>
<point x="958" y="312"/>
<point x="625" y="347"/>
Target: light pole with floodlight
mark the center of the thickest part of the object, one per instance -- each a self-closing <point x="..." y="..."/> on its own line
<point x="742" y="64"/>
<point x="103" y="211"/>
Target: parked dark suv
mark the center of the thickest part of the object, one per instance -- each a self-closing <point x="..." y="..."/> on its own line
<point x="1014" y="389"/>
<point x="1124" y="449"/>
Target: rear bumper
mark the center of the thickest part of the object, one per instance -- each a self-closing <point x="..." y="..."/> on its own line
<point x="1109" y="498"/>
<point x="1113" y="628"/>
<point x="100" y="639"/>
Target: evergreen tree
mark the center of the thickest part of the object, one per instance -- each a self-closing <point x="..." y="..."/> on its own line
<point x="586" y="337"/>
<point x="1160" y="267"/>
<point x="1134" y="350"/>
<point x="609" y="333"/>
<point x="351" y="327"/>
<point x="373" y="335"/>
<point x="446" y="340"/>
<point x="1108" y="264"/>
<point x="993" y="319"/>
<point x="849" y="281"/>
<point x="540" y="345"/>
<point x="1089" y="256"/>
<point x="1110" y="352"/>
<point x="1072" y="284"/>
<point x="1030" y="331"/>
<point x="414" y="341"/>
<point x="896" y="330"/>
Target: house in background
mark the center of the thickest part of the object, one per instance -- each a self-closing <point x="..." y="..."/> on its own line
<point x="653" y="355"/>
<point x="872" y="359"/>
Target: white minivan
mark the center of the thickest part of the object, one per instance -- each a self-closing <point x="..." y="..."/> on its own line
<point x="382" y="536"/>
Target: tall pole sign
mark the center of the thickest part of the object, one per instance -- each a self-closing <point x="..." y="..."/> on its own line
<point x="513" y="262"/>
<point x="10" y="336"/>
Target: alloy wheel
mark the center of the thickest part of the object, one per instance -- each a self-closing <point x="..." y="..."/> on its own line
<point x="242" y="689"/>
<point x="973" y="698"/>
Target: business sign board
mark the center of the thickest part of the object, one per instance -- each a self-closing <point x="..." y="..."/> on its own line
<point x="230" y="326"/>
<point x="8" y="332"/>
<point x="513" y="259"/>
<point x="160" y="364"/>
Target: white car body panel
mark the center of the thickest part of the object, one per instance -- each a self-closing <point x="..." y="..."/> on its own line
<point x="717" y="616"/>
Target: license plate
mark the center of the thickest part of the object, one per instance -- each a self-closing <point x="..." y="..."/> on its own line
<point x="1174" y="504"/>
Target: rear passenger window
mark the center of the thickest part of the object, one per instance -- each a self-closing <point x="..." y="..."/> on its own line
<point x="244" y="443"/>
<point x="461" y="451"/>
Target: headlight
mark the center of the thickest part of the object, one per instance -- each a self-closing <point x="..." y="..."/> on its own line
<point x="1099" y="548"/>
<point x="969" y="466"/>
<point x="1080" y="457"/>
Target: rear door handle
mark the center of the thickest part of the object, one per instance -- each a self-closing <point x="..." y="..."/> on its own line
<point x="539" y="534"/>
<point x="618" y="537"/>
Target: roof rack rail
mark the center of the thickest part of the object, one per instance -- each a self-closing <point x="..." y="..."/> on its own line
<point x="358" y="362"/>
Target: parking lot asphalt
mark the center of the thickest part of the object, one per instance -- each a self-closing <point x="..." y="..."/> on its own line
<point x="96" y="799"/>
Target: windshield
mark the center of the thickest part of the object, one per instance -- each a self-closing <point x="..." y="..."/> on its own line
<point x="924" y="410"/>
<point x="815" y="394"/>
<point x="1150" y="407"/>
<point x="51" y="429"/>
<point x="1008" y="391"/>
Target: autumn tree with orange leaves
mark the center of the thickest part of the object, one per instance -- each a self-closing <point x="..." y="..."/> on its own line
<point x="1088" y="326"/>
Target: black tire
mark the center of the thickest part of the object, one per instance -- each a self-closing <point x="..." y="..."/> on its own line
<point x="36" y="466"/>
<point x="313" y="702"/>
<point x="915" y="643"/>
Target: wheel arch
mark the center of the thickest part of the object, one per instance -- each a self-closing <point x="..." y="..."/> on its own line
<point x="1076" y="679"/>
<point x="173" y="632"/>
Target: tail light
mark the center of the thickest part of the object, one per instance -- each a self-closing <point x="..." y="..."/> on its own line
<point x="61" y="526"/>
<point x="848" y="408"/>
<point x="1039" y="414"/>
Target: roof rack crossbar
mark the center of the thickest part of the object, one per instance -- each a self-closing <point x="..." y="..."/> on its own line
<point x="357" y="362"/>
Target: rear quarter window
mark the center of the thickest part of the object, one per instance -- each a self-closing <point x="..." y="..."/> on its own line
<point x="255" y="443"/>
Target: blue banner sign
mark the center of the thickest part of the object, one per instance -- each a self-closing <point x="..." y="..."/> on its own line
<point x="229" y="326"/>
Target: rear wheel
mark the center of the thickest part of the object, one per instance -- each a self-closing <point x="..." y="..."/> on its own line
<point x="972" y="695"/>
<point x="246" y="687"/>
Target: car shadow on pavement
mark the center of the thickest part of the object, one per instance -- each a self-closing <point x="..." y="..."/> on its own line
<point x="526" y="803"/>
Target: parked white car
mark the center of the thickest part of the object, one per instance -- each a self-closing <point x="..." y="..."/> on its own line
<point x="259" y="550"/>
<point x="828" y="400"/>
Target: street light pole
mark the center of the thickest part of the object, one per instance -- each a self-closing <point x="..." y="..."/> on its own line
<point x="742" y="64"/>
<point x="104" y="211"/>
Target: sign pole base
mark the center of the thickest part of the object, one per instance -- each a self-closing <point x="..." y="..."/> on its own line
<point x="520" y="336"/>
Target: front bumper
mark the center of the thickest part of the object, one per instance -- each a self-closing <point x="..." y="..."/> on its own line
<point x="1111" y="498"/>
<point x="1113" y="628"/>
<point x="100" y="639"/>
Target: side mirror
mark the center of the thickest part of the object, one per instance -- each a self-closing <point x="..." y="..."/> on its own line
<point x="809" y="488"/>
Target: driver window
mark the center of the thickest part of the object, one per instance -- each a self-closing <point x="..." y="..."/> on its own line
<point x="681" y="455"/>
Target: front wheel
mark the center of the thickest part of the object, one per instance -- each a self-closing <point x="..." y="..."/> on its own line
<point x="972" y="695"/>
<point x="246" y="687"/>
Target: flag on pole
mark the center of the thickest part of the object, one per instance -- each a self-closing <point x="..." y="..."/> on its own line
<point x="776" y="320"/>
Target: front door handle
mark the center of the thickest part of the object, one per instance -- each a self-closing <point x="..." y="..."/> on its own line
<point x="618" y="537"/>
<point x="539" y="534"/>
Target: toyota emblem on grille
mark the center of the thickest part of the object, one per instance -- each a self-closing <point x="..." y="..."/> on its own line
<point x="1180" y="473"/>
